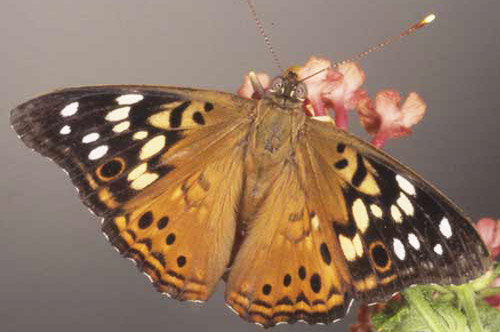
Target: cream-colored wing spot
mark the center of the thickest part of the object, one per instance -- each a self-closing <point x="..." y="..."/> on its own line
<point x="352" y="248"/>
<point x="121" y="127"/>
<point x="140" y="135"/>
<point x="144" y="180"/>
<point x="152" y="147"/>
<point x="360" y="215"/>
<point x="118" y="114"/>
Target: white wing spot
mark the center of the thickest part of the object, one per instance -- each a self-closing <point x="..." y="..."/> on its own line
<point x="405" y="185"/>
<point x="360" y="215"/>
<point x="98" y="152"/>
<point x="70" y="109"/>
<point x="347" y="248"/>
<point x="65" y="130"/>
<point x="118" y="114"/>
<point x="358" y="245"/>
<point x="89" y="138"/>
<point x="152" y="147"/>
<point x="445" y="228"/>
<point x="405" y="205"/>
<point x="376" y="211"/>
<point x="315" y="223"/>
<point x="396" y="214"/>
<point x="140" y="135"/>
<point x="438" y="249"/>
<point x="399" y="249"/>
<point x="129" y="99"/>
<point x="144" y="180"/>
<point x="138" y="171"/>
<point x="121" y="127"/>
<point x="414" y="242"/>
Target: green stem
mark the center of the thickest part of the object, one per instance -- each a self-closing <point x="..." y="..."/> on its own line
<point x="467" y="299"/>
<point x="440" y="289"/>
<point x="417" y="300"/>
<point x="490" y="292"/>
<point x="485" y="280"/>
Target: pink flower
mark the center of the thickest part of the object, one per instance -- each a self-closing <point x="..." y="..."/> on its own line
<point x="489" y="230"/>
<point x="246" y="89"/>
<point x="494" y="300"/>
<point x="319" y="83"/>
<point x="388" y="118"/>
<point x="338" y="89"/>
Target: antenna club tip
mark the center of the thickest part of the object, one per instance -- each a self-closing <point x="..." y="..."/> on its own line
<point x="426" y="20"/>
<point x="429" y="18"/>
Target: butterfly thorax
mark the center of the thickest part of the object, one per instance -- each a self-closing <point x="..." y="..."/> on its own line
<point x="275" y="130"/>
<point x="272" y="141"/>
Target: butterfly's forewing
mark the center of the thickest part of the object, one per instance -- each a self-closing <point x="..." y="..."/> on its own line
<point x="162" y="166"/>
<point x="410" y="233"/>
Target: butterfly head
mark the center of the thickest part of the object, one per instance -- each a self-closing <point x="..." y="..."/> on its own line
<point x="287" y="91"/>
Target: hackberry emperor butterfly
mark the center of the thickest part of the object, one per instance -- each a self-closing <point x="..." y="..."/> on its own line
<point x="307" y="216"/>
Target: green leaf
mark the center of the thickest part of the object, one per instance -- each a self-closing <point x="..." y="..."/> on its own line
<point x="434" y="308"/>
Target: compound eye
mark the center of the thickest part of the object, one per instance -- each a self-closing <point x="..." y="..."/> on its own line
<point x="277" y="84"/>
<point x="301" y="91"/>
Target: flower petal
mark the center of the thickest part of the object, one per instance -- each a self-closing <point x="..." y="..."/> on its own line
<point x="246" y="89"/>
<point x="369" y="118"/>
<point x="413" y="110"/>
<point x="489" y="230"/>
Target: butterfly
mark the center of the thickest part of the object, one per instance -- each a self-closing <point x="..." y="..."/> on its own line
<point x="298" y="216"/>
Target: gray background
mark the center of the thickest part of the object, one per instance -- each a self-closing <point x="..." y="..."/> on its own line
<point x="58" y="272"/>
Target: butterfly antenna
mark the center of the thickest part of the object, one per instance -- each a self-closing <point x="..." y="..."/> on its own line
<point x="267" y="39"/>
<point x="422" y="23"/>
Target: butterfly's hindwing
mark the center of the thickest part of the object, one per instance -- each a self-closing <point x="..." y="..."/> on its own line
<point x="286" y="269"/>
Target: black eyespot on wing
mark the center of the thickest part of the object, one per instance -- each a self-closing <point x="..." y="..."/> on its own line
<point x="181" y="261"/>
<point x="341" y="164"/>
<point x="287" y="280"/>
<point x="208" y="107"/>
<point x="163" y="222"/>
<point x="266" y="289"/>
<point x="198" y="118"/>
<point x="302" y="272"/>
<point x="325" y="253"/>
<point x="146" y="220"/>
<point x="111" y="169"/>
<point x="316" y="283"/>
